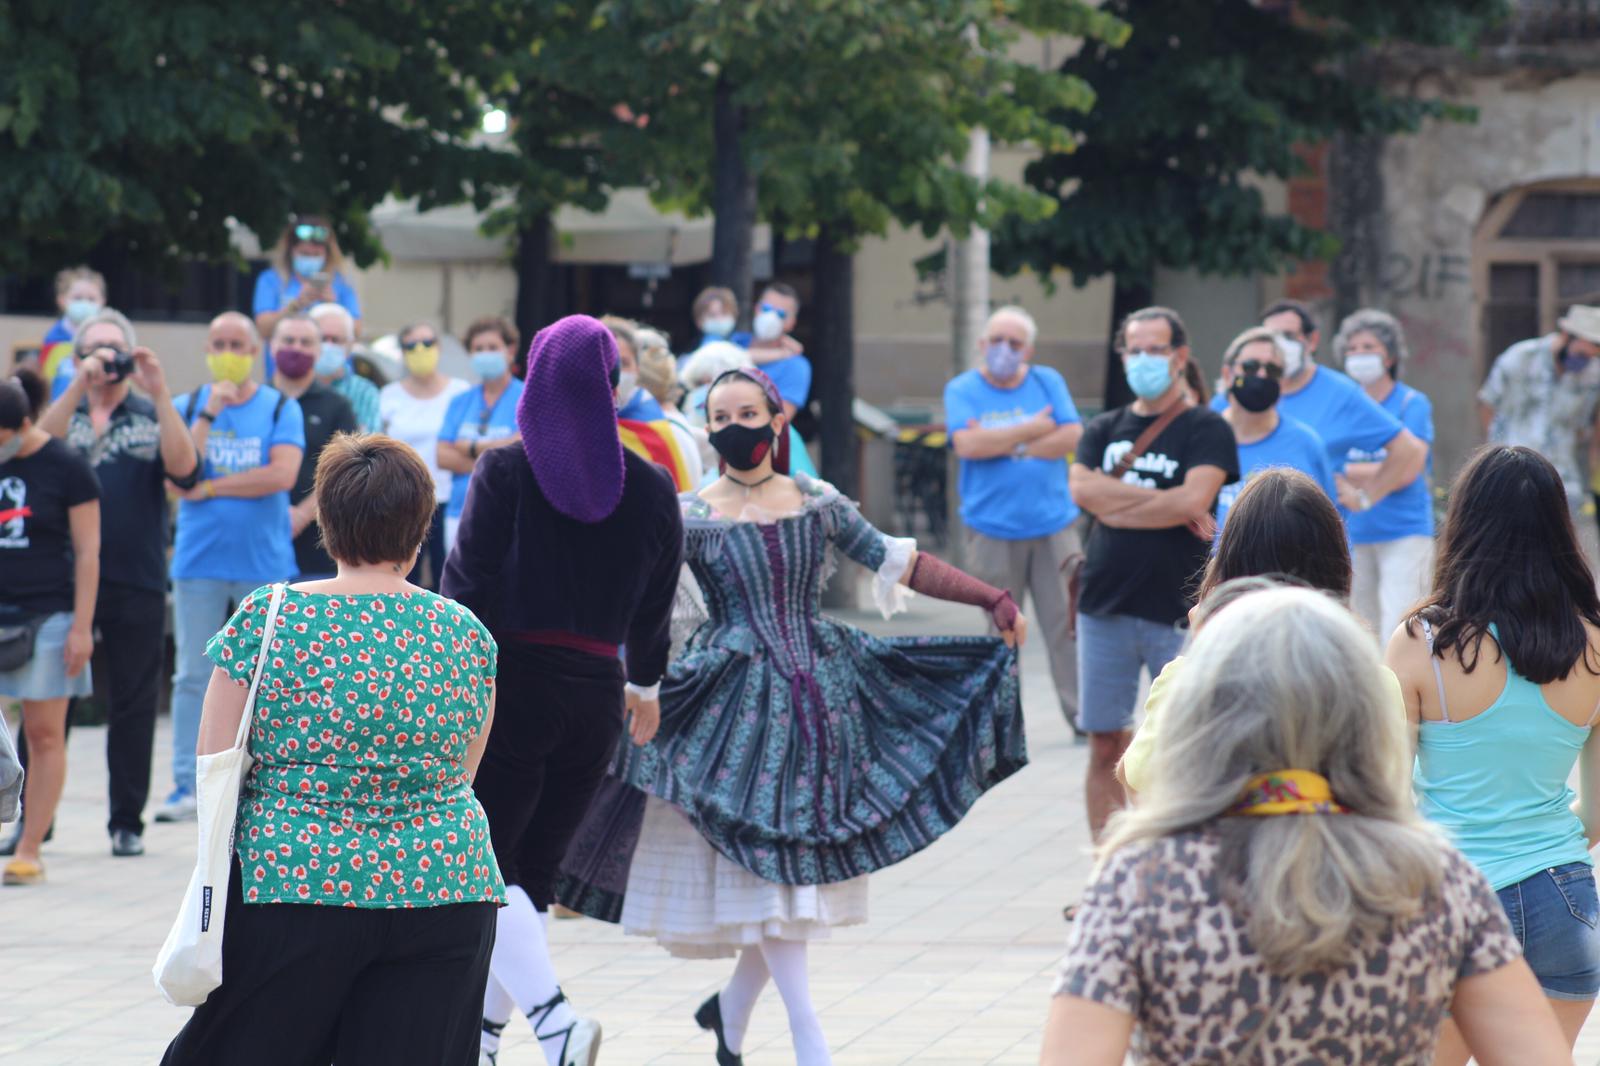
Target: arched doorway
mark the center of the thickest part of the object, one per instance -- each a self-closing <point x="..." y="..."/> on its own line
<point x="1536" y="252"/>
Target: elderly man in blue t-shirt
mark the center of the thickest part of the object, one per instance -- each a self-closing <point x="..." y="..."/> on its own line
<point x="1013" y="425"/>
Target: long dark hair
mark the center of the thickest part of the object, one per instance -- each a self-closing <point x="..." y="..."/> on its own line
<point x="22" y="397"/>
<point x="1508" y="555"/>
<point x="1282" y="523"/>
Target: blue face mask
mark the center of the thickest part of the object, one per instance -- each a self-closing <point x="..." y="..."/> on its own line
<point x="331" y="359"/>
<point x="80" y="311"/>
<point x="1002" y="360"/>
<point x="1148" y="375"/>
<point x="307" y="265"/>
<point x="1574" y="364"/>
<point x="489" y="365"/>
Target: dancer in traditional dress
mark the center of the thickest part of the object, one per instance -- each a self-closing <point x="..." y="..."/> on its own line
<point x="569" y="547"/>
<point x="795" y="755"/>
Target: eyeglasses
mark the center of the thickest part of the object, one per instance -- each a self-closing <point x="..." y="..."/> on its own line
<point x="1010" y="342"/>
<point x="406" y="346"/>
<point x="780" y="312"/>
<point x="1252" y="367"/>
<point x="307" y="231"/>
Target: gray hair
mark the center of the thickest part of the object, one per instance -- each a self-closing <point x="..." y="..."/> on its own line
<point x="105" y="314"/>
<point x="1382" y="325"/>
<point x="324" y="310"/>
<point x="1254" y="335"/>
<point x="1287" y="679"/>
<point x="1020" y="315"/>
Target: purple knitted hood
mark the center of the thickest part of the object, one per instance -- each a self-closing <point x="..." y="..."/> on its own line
<point x="568" y="418"/>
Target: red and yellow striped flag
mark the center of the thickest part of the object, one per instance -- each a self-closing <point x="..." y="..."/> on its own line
<point x="656" y="442"/>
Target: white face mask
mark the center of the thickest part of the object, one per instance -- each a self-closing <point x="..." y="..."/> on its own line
<point x="718" y="325"/>
<point x="768" y="325"/>
<point x="1294" y="355"/>
<point x="1365" y="367"/>
<point x="627" y="385"/>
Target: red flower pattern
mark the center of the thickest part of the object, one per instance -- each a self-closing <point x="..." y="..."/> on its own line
<point x="373" y="744"/>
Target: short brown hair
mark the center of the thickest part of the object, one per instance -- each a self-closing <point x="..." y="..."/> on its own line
<point x="374" y="499"/>
<point x="493" y="324"/>
<point x="714" y="293"/>
<point x="65" y="278"/>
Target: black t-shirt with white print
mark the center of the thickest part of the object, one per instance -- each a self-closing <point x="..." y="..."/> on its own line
<point x="1150" y="573"/>
<point x="36" y="559"/>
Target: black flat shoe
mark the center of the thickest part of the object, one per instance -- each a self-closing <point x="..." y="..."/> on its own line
<point x="709" y="1017"/>
<point x="126" y="843"/>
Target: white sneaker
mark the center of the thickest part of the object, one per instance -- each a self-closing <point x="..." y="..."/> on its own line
<point x="583" y="1043"/>
<point x="487" y="1058"/>
<point x="179" y="807"/>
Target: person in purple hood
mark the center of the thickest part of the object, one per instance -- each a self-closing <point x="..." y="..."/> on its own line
<point x="569" y="548"/>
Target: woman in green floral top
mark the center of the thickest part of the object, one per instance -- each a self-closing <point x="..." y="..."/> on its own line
<point x="358" y="817"/>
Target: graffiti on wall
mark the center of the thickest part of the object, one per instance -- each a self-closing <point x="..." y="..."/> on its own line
<point x="1432" y="275"/>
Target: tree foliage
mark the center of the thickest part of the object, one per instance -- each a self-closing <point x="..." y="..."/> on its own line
<point x="153" y="123"/>
<point x="1202" y="100"/>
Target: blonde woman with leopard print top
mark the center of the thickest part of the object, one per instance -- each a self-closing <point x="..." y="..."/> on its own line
<point x="1275" y="897"/>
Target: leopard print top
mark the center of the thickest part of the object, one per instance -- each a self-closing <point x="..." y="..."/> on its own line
<point x="1154" y="938"/>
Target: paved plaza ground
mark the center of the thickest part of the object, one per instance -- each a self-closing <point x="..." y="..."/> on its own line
<point x="954" y="967"/>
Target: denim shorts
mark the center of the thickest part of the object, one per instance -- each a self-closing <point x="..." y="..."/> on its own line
<point x="1554" y="915"/>
<point x="44" y="677"/>
<point x="1112" y="649"/>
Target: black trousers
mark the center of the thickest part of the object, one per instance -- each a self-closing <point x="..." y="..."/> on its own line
<point x="557" y="717"/>
<point x="307" y="985"/>
<point x="432" y="552"/>
<point x="130" y="629"/>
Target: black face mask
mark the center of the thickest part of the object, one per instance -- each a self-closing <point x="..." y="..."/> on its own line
<point x="743" y="447"/>
<point x="1255" y="393"/>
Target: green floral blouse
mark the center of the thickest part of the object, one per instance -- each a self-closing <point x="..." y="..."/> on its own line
<point x="359" y="796"/>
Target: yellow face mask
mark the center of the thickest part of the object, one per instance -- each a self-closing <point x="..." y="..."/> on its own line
<point x="230" y="366"/>
<point x="422" y="360"/>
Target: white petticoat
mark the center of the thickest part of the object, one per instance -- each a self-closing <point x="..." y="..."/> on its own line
<point x="699" y="905"/>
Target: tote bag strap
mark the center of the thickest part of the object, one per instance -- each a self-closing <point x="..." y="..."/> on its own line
<point x="268" y="631"/>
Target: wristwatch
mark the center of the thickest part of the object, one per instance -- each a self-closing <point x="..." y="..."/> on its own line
<point x="1019" y="452"/>
<point x="208" y="416"/>
<point x="472" y="449"/>
<point x="1363" y="499"/>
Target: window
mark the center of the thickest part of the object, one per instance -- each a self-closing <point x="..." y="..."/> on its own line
<point x="1537" y="252"/>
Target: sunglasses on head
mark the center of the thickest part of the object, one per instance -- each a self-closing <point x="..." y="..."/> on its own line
<point x="1252" y="367"/>
<point x="406" y="346"/>
<point x="310" y="231"/>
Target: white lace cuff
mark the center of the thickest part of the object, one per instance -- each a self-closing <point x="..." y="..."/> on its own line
<point x="888" y="594"/>
<point x="648" y="693"/>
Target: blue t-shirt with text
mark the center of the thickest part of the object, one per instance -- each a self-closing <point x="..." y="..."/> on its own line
<point x="1408" y="511"/>
<point x="467" y="419"/>
<point x="1006" y="497"/>
<point x="231" y="538"/>
<point x="1293" y="444"/>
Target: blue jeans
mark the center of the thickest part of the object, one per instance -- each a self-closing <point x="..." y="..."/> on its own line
<point x="1112" y="648"/>
<point x="200" y="606"/>
<point x="1554" y="915"/>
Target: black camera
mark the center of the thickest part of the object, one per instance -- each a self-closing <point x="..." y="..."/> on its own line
<point x="119" y="366"/>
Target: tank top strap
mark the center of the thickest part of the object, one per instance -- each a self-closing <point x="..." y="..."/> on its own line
<point x="1593" y="717"/>
<point x="1438" y="674"/>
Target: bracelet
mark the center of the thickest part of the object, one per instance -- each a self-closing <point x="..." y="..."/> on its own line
<point x="1363" y="499"/>
<point x="208" y="416"/>
<point x="211" y="489"/>
<point x="472" y="449"/>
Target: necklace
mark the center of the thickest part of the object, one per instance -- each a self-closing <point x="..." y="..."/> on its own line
<point x="749" y="485"/>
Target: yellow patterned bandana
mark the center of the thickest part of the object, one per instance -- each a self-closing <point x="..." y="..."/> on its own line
<point x="1287" y="792"/>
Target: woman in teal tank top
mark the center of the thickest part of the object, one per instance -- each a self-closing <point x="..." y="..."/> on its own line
<point x="1500" y="666"/>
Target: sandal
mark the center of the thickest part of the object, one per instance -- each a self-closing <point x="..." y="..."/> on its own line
<point x="23" y="872"/>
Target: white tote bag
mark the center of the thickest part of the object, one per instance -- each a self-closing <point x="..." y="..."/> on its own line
<point x="190" y="963"/>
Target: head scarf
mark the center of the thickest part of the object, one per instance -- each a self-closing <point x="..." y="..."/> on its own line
<point x="780" y="455"/>
<point x="568" y="418"/>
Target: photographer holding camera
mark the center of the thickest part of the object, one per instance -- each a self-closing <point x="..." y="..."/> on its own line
<point x="133" y="442"/>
